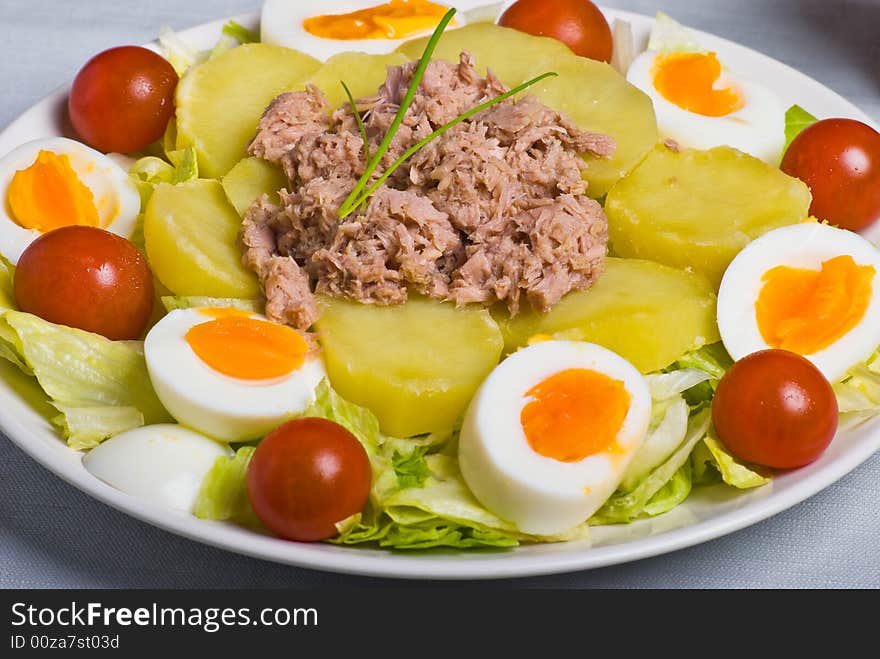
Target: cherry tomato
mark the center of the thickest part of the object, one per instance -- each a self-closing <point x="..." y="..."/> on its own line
<point x="122" y="99"/>
<point x="579" y="24"/>
<point x="840" y="160"/>
<point x="86" y="278"/>
<point x="774" y="408"/>
<point x="306" y="476"/>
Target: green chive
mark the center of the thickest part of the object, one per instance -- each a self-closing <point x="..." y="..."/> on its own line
<point x="437" y="133"/>
<point x="344" y="210"/>
<point x="360" y="122"/>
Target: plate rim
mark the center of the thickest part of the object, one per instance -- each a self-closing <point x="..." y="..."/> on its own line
<point x="448" y="565"/>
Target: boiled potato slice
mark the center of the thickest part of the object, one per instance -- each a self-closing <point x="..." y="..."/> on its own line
<point x="592" y="94"/>
<point x="220" y="102"/>
<point x="361" y="72"/>
<point x="191" y="234"/>
<point x="597" y="98"/>
<point x="648" y="313"/>
<point x="698" y="209"/>
<point x="249" y="180"/>
<point x="415" y="365"/>
<point x="511" y="55"/>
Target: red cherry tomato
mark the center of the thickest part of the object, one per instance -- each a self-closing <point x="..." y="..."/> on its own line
<point x="306" y="476"/>
<point x="840" y="160"/>
<point x="122" y="99"/>
<point x="86" y="278"/>
<point x="579" y="24"/>
<point x="774" y="408"/>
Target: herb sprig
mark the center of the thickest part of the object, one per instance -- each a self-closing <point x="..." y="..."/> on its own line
<point x="360" y="193"/>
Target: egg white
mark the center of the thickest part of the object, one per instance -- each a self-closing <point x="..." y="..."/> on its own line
<point x="281" y="24"/>
<point x="758" y="128"/>
<point x="216" y="404"/>
<point x="116" y="196"/>
<point x="163" y="463"/>
<point x="806" y="245"/>
<point x="541" y="495"/>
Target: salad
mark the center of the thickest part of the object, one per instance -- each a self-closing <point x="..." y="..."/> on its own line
<point x="412" y="276"/>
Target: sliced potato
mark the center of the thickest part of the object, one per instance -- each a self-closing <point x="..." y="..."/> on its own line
<point x="363" y="74"/>
<point x="220" y="102"/>
<point x="648" y="313"/>
<point x="249" y="180"/>
<point x="191" y="235"/>
<point x="698" y="209"/>
<point x="415" y="365"/>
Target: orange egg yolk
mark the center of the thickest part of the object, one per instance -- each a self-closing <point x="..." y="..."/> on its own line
<point x="805" y="311"/>
<point x="689" y="79"/>
<point x="574" y="414"/>
<point x="396" y="19"/>
<point x="49" y="195"/>
<point x="247" y="348"/>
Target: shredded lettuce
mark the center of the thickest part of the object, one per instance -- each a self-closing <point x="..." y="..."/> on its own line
<point x="858" y="394"/>
<point x="7" y="294"/>
<point x="411" y="470"/>
<point x="223" y="494"/>
<point x="172" y="302"/>
<point x="149" y="171"/>
<point x="183" y="57"/>
<point x="651" y="495"/>
<point x="100" y="387"/>
<point x="670" y="36"/>
<point x="733" y="472"/>
<point x="796" y="120"/>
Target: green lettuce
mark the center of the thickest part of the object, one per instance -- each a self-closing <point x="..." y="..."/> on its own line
<point x="183" y="56"/>
<point x="223" y="494"/>
<point x="100" y="387"/>
<point x="670" y="36"/>
<point x="7" y="294"/>
<point x="150" y="171"/>
<point x="796" y="120"/>
<point x="711" y="453"/>
<point x="858" y="394"/>
<point x="411" y="469"/>
<point x="653" y="495"/>
<point x="173" y="302"/>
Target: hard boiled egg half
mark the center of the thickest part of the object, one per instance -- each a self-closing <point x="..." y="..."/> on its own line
<point x="550" y="433"/>
<point x="50" y="183"/>
<point x="808" y="288"/>
<point x="230" y="374"/>
<point x="700" y="103"/>
<point x="334" y="26"/>
<point x="163" y="463"/>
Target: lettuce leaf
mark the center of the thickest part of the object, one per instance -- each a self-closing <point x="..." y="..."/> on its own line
<point x="624" y="507"/>
<point x="7" y="294"/>
<point x="411" y="470"/>
<point x="100" y="387"/>
<point x="858" y="394"/>
<point x="149" y="171"/>
<point x="732" y="471"/>
<point x="670" y="36"/>
<point x="223" y="495"/>
<point x="172" y="302"/>
<point x="796" y="120"/>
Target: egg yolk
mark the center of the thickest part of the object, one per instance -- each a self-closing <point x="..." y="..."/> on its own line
<point x="805" y="311"/>
<point x="248" y="348"/>
<point x="688" y="80"/>
<point x="396" y="19"/>
<point x="49" y="195"/>
<point x="574" y="414"/>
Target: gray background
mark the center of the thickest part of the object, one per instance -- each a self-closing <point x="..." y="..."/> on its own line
<point x="51" y="535"/>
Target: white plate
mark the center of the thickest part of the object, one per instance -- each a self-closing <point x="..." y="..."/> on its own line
<point x="707" y="514"/>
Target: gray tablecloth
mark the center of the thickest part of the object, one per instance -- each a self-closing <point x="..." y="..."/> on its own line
<point x="51" y="535"/>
